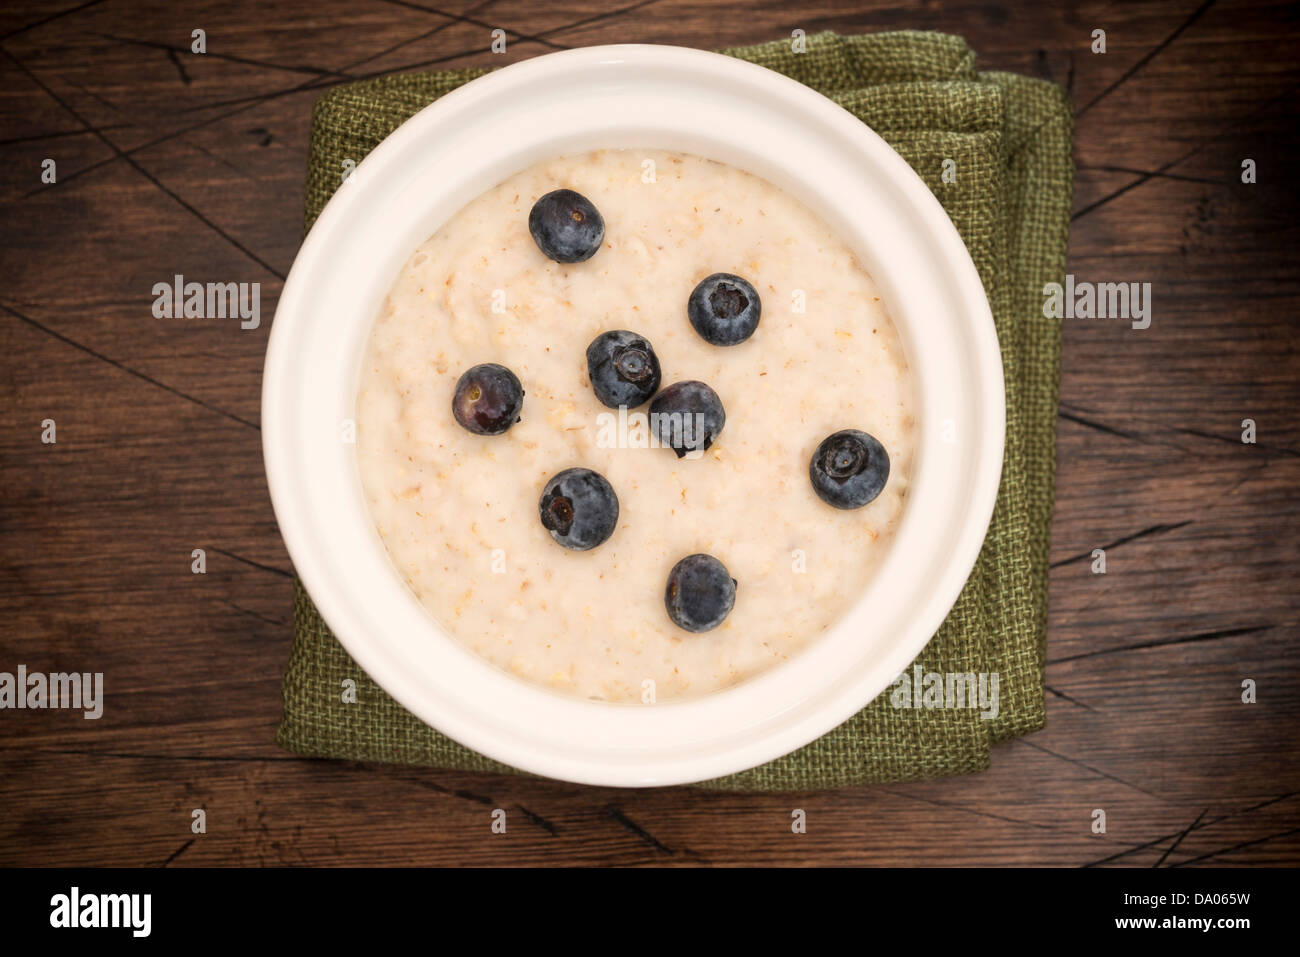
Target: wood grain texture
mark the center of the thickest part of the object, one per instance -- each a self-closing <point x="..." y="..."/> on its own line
<point x="170" y="163"/>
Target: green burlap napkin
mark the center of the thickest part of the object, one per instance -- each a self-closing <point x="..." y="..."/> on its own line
<point x="1009" y="140"/>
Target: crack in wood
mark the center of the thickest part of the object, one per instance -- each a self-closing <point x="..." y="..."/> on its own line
<point x="468" y="19"/>
<point x="1174" y="846"/>
<point x="1087" y="767"/>
<point x="1151" y="530"/>
<point x="138" y="756"/>
<point x="60" y="134"/>
<point x="174" y="51"/>
<point x="1099" y="426"/>
<point x="178" y="852"/>
<point x="1236" y="847"/>
<point x="1231" y="440"/>
<point x="180" y="67"/>
<point x="1074" y="417"/>
<point x="249" y="561"/>
<point x="1285" y="95"/>
<point x="1184" y="640"/>
<point x="1044" y="68"/>
<point x="127" y="369"/>
<point x="421" y="37"/>
<point x="616" y="815"/>
<point x="969" y="810"/>
<point x="52" y="17"/>
<point x="416" y="65"/>
<point x="1065" y="697"/>
<point x="537" y="819"/>
<point x="254" y="614"/>
<point x="1154" y="52"/>
<point x="103" y="101"/>
<point x="140" y="169"/>
<point x="1102" y="168"/>
<point x="245" y="104"/>
<point x="1222" y="817"/>
<point x="222" y="160"/>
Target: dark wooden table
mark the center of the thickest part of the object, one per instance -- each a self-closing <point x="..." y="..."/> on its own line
<point x="170" y="162"/>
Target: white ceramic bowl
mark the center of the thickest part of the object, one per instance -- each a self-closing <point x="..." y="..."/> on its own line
<point x="629" y="96"/>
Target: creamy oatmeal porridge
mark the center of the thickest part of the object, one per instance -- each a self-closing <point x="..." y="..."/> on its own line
<point x="459" y="511"/>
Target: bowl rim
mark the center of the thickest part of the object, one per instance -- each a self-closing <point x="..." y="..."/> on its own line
<point x="770" y="736"/>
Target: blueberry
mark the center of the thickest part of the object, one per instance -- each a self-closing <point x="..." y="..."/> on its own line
<point x="687" y="417"/>
<point x="579" y="508"/>
<point x="488" y="399"/>
<point x="724" y="309"/>
<point x="700" y="593"/>
<point x="566" y="227"/>
<point x="849" y="469"/>
<point x="623" y="369"/>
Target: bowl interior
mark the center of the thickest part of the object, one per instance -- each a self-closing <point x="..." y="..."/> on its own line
<point x="623" y="97"/>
